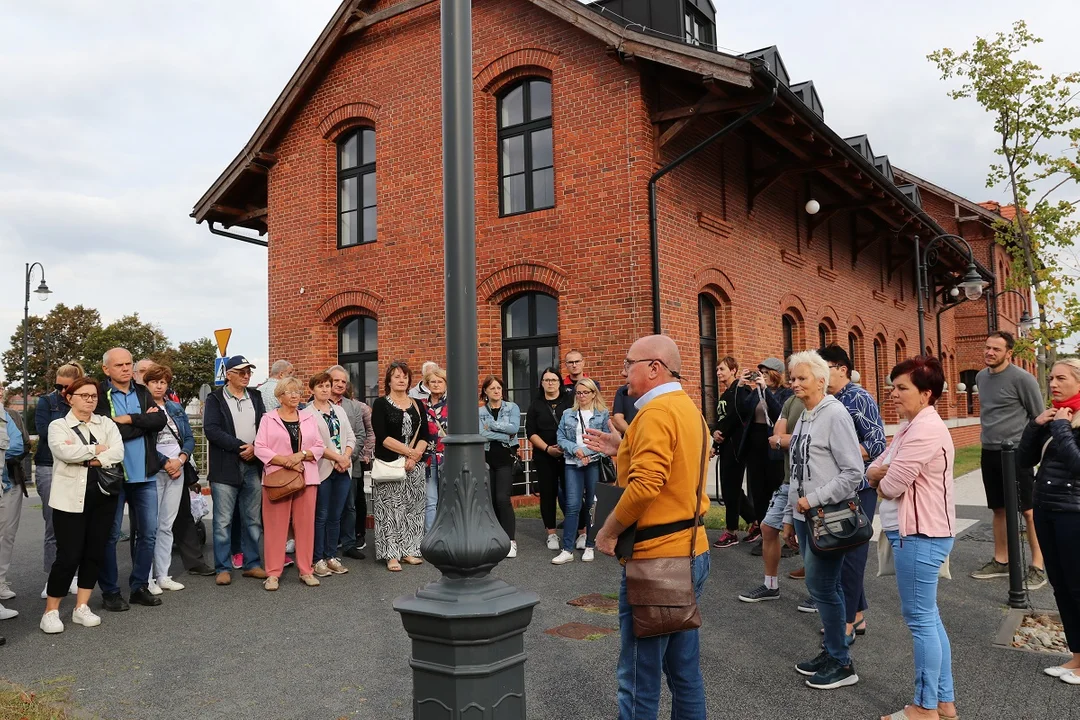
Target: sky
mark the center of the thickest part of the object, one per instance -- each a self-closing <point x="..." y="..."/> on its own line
<point x="115" y="117"/>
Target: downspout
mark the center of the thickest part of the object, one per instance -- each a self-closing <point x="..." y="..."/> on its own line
<point x="234" y="236"/>
<point x="654" y="245"/>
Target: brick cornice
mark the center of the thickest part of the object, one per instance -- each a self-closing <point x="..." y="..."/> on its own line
<point x="514" y="278"/>
<point x="351" y="302"/>
<point x="348" y="114"/>
<point x="515" y="64"/>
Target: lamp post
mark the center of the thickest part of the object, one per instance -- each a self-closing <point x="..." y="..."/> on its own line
<point x="972" y="284"/>
<point x="1025" y="324"/>
<point x="42" y="293"/>
<point x="467" y="629"/>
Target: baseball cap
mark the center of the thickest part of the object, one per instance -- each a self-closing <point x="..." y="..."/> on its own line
<point x="238" y="362"/>
<point x="772" y="364"/>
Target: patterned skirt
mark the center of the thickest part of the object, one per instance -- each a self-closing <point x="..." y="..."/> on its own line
<point x="399" y="515"/>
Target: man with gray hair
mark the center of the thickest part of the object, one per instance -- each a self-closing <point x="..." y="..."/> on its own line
<point x="359" y="415"/>
<point x="280" y="370"/>
<point x="420" y="391"/>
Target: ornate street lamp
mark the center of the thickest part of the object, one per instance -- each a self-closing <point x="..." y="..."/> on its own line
<point x="1026" y="322"/>
<point x="972" y="284"/>
<point x="42" y="293"/>
<point x="467" y="629"/>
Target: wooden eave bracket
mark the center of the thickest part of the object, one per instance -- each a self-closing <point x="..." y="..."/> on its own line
<point x="761" y="180"/>
<point x="364" y="21"/>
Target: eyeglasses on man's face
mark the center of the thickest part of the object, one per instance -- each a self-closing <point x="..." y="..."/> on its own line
<point x="245" y="371"/>
<point x="628" y="363"/>
<point x="574" y="362"/>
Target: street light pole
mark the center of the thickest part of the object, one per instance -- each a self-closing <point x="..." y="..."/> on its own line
<point x="1025" y="323"/>
<point x="972" y="283"/>
<point x="42" y="292"/>
<point x="467" y="629"/>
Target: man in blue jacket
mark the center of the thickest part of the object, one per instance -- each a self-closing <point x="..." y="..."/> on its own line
<point x="139" y="422"/>
<point x="231" y="418"/>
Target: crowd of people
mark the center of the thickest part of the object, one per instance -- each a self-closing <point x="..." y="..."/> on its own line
<point x="287" y="462"/>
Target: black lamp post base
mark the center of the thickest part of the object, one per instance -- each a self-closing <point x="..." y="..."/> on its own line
<point x="468" y="648"/>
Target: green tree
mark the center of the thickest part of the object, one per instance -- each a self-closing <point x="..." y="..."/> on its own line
<point x="142" y="339"/>
<point x="1037" y="121"/>
<point x="192" y="364"/>
<point x="54" y="340"/>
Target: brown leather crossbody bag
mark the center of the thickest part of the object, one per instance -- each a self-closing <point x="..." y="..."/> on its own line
<point x="661" y="590"/>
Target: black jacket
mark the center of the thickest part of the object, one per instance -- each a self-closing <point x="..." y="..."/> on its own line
<point x="224" y="461"/>
<point x="143" y="425"/>
<point x="543" y="421"/>
<point x="1057" y="486"/>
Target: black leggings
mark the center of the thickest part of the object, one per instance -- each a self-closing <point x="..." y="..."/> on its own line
<point x="80" y="540"/>
<point x="549" y="474"/>
<point x="763" y="473"/>
<point x="502" y="480"/>
<point x="1059" y="537"/>
<point x="731" y="486"/>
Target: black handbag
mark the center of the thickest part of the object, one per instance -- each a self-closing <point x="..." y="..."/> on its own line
<point x="191" y="473"/>
<point x="838" y="527"/>
<point x="110" y="479"/>
<point x="608" y="473"/>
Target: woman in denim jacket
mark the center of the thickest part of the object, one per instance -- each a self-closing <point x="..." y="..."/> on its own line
<point x="582" y="468"/>
<point x="500" y="421"/>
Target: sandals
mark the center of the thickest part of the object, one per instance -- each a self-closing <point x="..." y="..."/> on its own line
<point x="393" y="565"/>
<point x="860" y="629"/>
<point x="410" y="560"/>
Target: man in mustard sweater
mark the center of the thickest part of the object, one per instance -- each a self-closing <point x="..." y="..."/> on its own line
<point x="660" y="467"/>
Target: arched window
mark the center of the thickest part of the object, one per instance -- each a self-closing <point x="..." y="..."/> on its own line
<point x="900" y="351"/>
<point x="788" y="325"/>
<point x="853" y="350"/>
<point x="823" y="335"/>
<point x="530" y="343"/>
<point x="358" y="353"/>
<point x="357" y="210"/>
<point x="526" y="149"/>
<point x="707" y="345"/>
<point x="880" y="371"/>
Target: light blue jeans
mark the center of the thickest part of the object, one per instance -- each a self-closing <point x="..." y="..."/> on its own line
<point x="434" y="473"/>
<point x="578" y="491"/>
<point x="918" y="559"/>
<point x="248" y="498"/>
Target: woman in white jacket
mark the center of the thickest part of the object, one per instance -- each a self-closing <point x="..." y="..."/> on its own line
<point x="335" y="474"/>
<point x="81" y="442"/>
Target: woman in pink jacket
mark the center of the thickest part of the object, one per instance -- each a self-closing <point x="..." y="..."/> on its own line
<point x="918" y="514"/>
<point x="287" y="438"/>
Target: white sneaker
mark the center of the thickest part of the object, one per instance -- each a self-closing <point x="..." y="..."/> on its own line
<point x="290" y="546"/>
<point x="587" y="556"/>
<point x="167" y="583"/>
<point x="562" y="558"/>
<point x="513" y="549"/>
<point x="7" y="613"/>
<point x="1071" y="677"/>
<point x="45" y="592"/>
<point x="82" y="615"/>
<point x="553" y="541"/>
<point x="580" y="544"/>
<point x="6" y="593"/>
<point x="152" y="586"/>
<point x="50" y="622"/>
<point x="74" y="588"/>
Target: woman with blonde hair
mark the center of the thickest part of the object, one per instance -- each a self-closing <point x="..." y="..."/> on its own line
<point x="582" y="468"/>
<point x="1052" y="440"/>
<point x="49" y="407"/>
<point x="438" y="427"/>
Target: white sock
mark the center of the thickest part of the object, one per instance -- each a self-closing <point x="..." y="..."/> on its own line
<point x="772" y="582"/>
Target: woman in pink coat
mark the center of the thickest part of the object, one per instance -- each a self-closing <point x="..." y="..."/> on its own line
<point x="288" y="439"/>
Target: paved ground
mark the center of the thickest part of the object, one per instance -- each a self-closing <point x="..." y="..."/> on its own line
<point x="339" y="650"/>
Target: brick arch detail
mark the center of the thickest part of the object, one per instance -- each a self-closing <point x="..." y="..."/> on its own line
<point x="793" y="302"/>
<point x="856" y="323"/>
<point x="514" y="65"/>
<point x="351" y="302"/>
<point x="348" y="115"/>
<point x="514" y="278"/>
<point x="714" y="281"/>
<point x="881" y="333"/>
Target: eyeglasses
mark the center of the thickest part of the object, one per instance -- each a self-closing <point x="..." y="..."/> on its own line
<point x="574" y="362"/>
<point x="292" y="392"/>
<point x="85" y="396"/>
<point x="551" y="380"/>
<point x="834" y="367"/>
<point x="583" y="393"/>
<point x="245" y="371"/>
<point x="627" y="363"/>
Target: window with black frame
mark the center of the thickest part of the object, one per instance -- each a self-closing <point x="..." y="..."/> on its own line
<point x="823" y="335"/>
<point x="788" y="324"/>
<point x="358" y="353"/>
<point x="530" y="343"/>
<point x="853" y="350"/>
<point x="707" y="355"/>
<point x="697" y="29"/>
<point x="357" y="208"/>
<point x="526" y="149"/>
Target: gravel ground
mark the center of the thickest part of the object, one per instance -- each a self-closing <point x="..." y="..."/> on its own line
<point x="340" y="651"/>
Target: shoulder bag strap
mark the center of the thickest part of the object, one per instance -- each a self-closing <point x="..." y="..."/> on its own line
<point x="85" y="442"/>
<point x="700" y="487"/>
<point x="422" y="419"/>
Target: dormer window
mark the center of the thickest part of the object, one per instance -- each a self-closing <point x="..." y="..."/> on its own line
<point x="697" y="28"/>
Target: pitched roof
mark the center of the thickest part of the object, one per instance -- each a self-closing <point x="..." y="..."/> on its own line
<point x="1007" y="212"/>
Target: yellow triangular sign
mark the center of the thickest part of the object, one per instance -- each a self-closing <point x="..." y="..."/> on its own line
<point x="222" y="336"/>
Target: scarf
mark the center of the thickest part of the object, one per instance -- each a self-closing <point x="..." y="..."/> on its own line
<point x="1072" y="403"/>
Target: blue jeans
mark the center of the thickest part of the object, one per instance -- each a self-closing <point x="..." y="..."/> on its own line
<point x="578" y="491"/>
<point x="918" y="559"/>
<point x="434" y="472"/>
<point x="248" y="497"/>
<point x="347" y="534"/>
<point x="643" y="660"/>
<point x="855" y="564"/>
<point x="329" y="506"/>
<point x="827" y="592"/>
<point x="143" y="508"/>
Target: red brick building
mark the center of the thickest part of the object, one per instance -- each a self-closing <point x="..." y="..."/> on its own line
<point x="574" y="111"/>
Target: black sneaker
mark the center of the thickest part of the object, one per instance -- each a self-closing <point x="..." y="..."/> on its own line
<point x="361" y="544"/>
<point x="355" y="553"/>
<point x="202" y="569"/>
<point x="142" y="596"/>
<point x="114" y="602"/>
<point x="760" y="594"/>
<point x="809" y="668"/>
<point x="754" y="534"/>
<point x="833" y="675"/>
<point x="726" y="540"/>
<point x="807" y="606"/>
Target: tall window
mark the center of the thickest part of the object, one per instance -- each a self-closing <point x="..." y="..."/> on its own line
<point x="879" y="369"/>
<point x="530" y="343"/>
<point x="358" y="353"/>
<point x="707" y="345"/>
<point x="526" y="150"/>
<point x="788" y="324"/>
<point x="696" y="28"/>
<point x="853" y="349"/>
<point x="823" y="335"/>
<point x="901" y="353"/>
<point x="968" y="377"/>
<point x="356" y="187"/>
